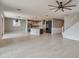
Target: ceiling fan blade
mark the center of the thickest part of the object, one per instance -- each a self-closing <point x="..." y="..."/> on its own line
<point x="57" y="10"/>
<point x="52" y="6"/>
<point x="71" y="6"/>
<point x="68" y="2"/>
<point x="58" y="2"/>
<point x="68" y="8"/>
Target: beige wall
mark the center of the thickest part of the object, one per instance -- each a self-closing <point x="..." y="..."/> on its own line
<point x="10" y="28"/>
<point x="57" y="23"/>
<point x="1" y="23"/>
<point x="70" y="20"/>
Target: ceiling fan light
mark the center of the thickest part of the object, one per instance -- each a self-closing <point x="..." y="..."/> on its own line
<point x="62" y="6"/>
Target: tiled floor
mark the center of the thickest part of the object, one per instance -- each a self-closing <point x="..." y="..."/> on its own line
<point x="43" y="46"/>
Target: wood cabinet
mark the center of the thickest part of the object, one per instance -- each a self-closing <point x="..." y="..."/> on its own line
<point x="34" y="23"/>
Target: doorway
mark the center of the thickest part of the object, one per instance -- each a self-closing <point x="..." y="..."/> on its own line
<point x="49" y="26"/>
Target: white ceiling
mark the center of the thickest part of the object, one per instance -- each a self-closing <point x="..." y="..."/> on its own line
<point x="37" y="7"/>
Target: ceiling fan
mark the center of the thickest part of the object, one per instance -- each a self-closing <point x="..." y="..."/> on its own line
<point x="62" y="6"/>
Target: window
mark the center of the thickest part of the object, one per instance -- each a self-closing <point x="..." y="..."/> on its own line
<point x="16" y="23"/>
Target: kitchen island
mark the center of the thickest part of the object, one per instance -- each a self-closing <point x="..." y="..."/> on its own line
<point x="36" y="31"/>
<point x="35" y="27"/>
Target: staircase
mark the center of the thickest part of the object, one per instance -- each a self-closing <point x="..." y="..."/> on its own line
<point x="72" y="32"/>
